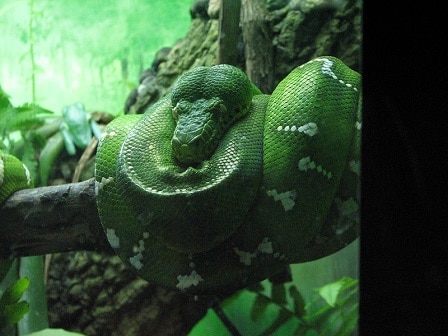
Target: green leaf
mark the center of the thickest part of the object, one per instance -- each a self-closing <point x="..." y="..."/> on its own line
<point x="334" y="310"/>
<point x="4" y="100"/>
<point x="209" y="325"/>
<point x="54" y="332"/>
<point x="283" y="316"/>
<point x="34" y="107"/>
<point x="350" y="322"/>
<point x="259" y="307"/>
<point x="14" y="292"/>
<point x="33" y="267"/>
<point x="24" y="117"/>
<point x="331" y="291"/>
<point x="13" y="313"/>
<point x="278" y="294"/>
<point x="299" y="301"/>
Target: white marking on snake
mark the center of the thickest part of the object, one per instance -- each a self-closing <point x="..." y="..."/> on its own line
<point x="287" y="198"/>
<point x="358" y="125"/>
<point x="97" y="188"/>
<point x="309" y="128"/>
<point x="245" y="257"/>
<point x="136" y="260"/>
<point x="106" y="181"/>
<point x="28" y="175"/>
<point x="326" y="70"/>
<point x="100" y="185"/>
<point x="141" y="245"/>
<point x="186" y="281"/>
<point x="110" y="134"/>
<point x="265" y="246"/>
<point x="306" y="163"/>
<point x="113" y="239"/>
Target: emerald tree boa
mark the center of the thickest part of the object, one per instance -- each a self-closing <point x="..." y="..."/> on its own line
<point x="218" y="186"/>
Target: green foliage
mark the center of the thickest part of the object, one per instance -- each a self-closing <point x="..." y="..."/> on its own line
<point x="32" y="267"/>
<point x="332" y="311"/>
<point x="90" y="51"/>
<point x="11" y="309"/>
<point x="19" y="136"/>
<point x="18" y="131"/>
<point x="26" y="117"/>
<point x="22" y="118"/>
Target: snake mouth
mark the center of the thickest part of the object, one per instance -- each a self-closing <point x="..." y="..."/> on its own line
<point x="186" y="153"/>
<point x="192" y="151"/>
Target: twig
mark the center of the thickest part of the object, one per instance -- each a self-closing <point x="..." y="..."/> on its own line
<point x="224" y="318"/>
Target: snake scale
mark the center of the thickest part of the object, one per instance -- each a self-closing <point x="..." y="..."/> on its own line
<point x="218" y="186"/>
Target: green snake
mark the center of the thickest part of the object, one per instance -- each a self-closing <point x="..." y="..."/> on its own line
<point x="14" y="175"/>
<point x="218" y="186"/>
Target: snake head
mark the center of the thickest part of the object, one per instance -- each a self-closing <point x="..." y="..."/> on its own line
<point x="207" y="100"/>
<point x="198" y="129"/>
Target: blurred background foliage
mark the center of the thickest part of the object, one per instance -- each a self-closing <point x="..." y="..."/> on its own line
<point x="67" y="46"/>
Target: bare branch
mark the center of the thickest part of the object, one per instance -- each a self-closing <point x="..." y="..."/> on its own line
<point x="51" y="219"/>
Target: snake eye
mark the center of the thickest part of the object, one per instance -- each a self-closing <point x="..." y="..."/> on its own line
<point x="178" y="109"/>
<point x="181" y="107"/>
<point x="217" y="106"/>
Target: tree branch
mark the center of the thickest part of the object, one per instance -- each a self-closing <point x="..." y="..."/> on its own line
<point x="258" y="47"/>
<point x="50" y="220"/>
<point x="229" y="31"/>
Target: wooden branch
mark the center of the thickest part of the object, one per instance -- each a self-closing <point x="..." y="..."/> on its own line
<point x="51" y="219"/>
<point x="229" y="30"/>
<point x="258" y="47"/>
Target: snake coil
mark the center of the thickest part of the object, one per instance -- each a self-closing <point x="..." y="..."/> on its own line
<point x="218" y="186"/>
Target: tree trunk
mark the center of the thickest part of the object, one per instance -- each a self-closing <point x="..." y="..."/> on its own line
<point x="258" y="48"/>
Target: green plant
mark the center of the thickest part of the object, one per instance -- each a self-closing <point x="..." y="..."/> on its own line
<point x="281" y="310"/>
<point x="11" y="309"/>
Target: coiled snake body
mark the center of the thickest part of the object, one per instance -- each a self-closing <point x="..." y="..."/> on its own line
<point x="218" y="186"/>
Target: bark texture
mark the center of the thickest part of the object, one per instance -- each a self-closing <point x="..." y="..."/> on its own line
<point x="52" y="219"/>
<point x="96" y="294"/>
